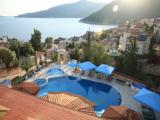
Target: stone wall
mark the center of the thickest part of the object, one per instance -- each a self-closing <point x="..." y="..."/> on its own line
<point x="152" y="69"/>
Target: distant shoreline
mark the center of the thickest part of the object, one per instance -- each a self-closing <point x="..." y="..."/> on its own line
<point x="94" y="23"/>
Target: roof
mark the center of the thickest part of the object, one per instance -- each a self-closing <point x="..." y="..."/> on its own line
<point x="156" y="21"/>
<point x="115" y="112"/>
<point x="26" y="107"/>
<point x="72" y="101"/>
<point x="139" y="25"/>
<point x="121" y="113"/>
<point x="134" y="31"/>
<point x="28" y="87"/>
<point x="69" y="100"/>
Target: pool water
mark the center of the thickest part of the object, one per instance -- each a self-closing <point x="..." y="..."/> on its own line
<point x="40" y="82"/>
<point x="54" y="71"/>
<point x="101" y="94"/>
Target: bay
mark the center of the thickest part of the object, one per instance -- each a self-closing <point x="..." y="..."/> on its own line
<point x="22" y="28"/>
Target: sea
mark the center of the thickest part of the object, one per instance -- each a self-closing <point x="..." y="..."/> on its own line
<point x="22" y="28"/>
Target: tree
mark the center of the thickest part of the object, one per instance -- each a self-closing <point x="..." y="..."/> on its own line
<point x="54" y="57"/>
<point x="87" y="47"/>
<point x="103" y="35"/>
<point x="49" y="42"/>
<point x="75" y="54"/>
<point x="26" y="49"/>
<point x="148" y="28"/>
<point x="152" y="53"/>
<point x="26" y="66"/>
<point x="7" y="56"/>
<point x="126" y="62"/>
<point x="98" y="54"/>
<point x="71" y="45"/>
<point x="36" y="40"/>
<point x="15" y="46"/>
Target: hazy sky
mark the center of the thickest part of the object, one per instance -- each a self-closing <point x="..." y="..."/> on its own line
<point x="15" y="7"/>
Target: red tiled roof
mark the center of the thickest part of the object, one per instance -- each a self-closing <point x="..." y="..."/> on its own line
<point x="135" y="31"/>
<point x="139" y="25"/>
<point x="71" y="101"/>
<point x="156" y="21"/>
<point x="26" y="107"/>
<point x="28" y="87"/>
<point x="121" y="113"/>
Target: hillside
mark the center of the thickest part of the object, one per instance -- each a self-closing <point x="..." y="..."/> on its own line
<point x="79" y="9"/>
<point x="130" y="10"/>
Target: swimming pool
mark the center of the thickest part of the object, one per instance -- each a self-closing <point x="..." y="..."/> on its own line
<point x="40" y="82"/>
<point x="101" y="94"/>
<point x="54" y="71"/>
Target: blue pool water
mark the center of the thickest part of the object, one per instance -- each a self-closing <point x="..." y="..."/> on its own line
<point x="40" y="82"/>
<point x="101" y="94"/>
<point x="54" y="71"/>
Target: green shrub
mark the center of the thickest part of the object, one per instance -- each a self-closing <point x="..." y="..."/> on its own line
<point x="18" y="80"/>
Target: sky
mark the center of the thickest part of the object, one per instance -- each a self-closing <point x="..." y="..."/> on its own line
<point x="16" y="7"/>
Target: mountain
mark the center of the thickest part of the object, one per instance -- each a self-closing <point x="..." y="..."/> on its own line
<point x="78" y="9"/>
<point x="127" y="10"/>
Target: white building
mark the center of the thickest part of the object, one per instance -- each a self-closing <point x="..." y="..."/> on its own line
<point x="62" y="45"/>
<point x="142" y="41"/>
<point x="55" y="47"/>
<point x="123" y="41"/>
<point x="4" y="41"/>
<point x="143" y="46"/>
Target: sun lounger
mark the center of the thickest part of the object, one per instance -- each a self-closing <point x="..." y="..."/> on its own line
<point x="148" y="114"/>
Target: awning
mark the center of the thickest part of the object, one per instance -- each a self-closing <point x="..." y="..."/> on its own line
<point x="105" y="69"/>
<point x="86" y="66"/>
<point x="148" y="98"/>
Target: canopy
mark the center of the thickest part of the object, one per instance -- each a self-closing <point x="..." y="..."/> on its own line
<point x="86" y="66"/>
<point x="148" y="98"/>
<point x="72" y="63"/>
<point x="105" y="69"/>
<point x="121" y="113"/>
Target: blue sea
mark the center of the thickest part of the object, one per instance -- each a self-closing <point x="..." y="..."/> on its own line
<point x="22" y="28"/>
